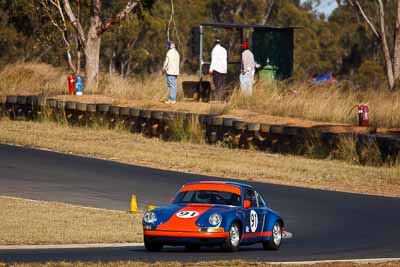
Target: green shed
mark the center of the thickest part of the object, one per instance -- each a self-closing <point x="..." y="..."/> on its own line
<point x="272" y="46"/>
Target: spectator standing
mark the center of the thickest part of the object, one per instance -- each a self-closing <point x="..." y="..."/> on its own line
<point x="219" y="67"/>
<point x="248" y="67"/>
<point x="171" y="69"/>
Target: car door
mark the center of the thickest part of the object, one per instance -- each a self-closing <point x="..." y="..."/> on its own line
<point x="263" y="211"/>
<point x="254" y="218"/>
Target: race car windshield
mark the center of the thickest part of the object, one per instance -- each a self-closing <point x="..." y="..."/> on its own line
<point x="208" y="197"/>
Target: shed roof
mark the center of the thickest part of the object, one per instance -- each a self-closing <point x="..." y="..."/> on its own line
<point x="245" y="26"/>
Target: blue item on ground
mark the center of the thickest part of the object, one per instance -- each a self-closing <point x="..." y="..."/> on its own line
<point x="323" y="78"/>
<point x="79" y="85"/>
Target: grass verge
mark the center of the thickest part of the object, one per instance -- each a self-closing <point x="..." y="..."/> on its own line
<point x="238" y="263"/>
<point x="246" y="165"/>
<point x="30" y="222"/>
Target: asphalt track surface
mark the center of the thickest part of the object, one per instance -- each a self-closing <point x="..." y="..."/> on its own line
<point x="326" y="225"/>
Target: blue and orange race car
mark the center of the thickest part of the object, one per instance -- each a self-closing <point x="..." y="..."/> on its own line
<point x="210" y="213"/>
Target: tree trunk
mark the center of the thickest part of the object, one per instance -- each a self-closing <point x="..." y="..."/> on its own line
<point x="396" y="48"/>
<point x="385" y="46"/>
<point x="92" y="56"/>
<point x="111" y="66"/>
<point x="91" y="44"/>
<point x="381" y="34"/>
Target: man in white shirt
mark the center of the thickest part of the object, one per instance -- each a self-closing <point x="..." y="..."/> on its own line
<point x="248" y="67"/>
<point x="219" y="67"/>
<point x="171" y="68"/>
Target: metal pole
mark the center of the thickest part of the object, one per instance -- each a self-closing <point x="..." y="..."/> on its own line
<point x="201" y="62"/>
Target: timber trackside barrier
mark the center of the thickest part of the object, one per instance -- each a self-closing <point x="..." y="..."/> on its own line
<point x="230" y="132"/>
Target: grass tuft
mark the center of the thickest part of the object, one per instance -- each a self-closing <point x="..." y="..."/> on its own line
<point x="314" y="147"/>
<point x="187" y="130"/>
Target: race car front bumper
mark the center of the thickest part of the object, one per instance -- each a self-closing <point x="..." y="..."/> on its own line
<point x="183" y="238"/>
<point x="183" y="234"/>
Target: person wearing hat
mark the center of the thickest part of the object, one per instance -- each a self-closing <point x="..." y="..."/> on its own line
<point x="248" y="67"/>
<point x="218" y="67"/>
<point x="171" y="69"/>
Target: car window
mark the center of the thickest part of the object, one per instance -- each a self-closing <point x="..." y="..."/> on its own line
<point x="261" y="202"/>
<point x="187" y="198"/>
<point x="208" y="197"/>
<point x="250" y="194"/>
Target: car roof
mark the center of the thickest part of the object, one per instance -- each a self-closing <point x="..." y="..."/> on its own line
<point x="222" y="182"/>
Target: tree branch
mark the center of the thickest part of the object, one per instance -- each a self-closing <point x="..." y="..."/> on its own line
<point x="75" y="23"/>
<point x="362" y="12"/>
<point x="381" y="36"/>
<point x="268" y="12"/>
<point x="62" y="29"/>
<point x="117" y="18"/>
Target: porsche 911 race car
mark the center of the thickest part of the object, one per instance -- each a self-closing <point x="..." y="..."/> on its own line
<point x="211" y="213"/>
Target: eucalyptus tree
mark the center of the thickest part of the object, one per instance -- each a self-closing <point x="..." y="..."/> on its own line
<point x="383" y="19"/>
<point x="86" y="22"/>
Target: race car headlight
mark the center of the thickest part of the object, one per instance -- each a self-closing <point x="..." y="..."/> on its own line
<point x="215" y="219"/>
<point x="149" y="217"/>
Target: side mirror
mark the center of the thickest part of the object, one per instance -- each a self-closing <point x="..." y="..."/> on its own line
<point x="171" y="200"/>
<point x="247" y="204"/>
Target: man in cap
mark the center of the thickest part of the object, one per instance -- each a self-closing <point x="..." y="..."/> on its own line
<point x="248" y="67"/>
<point x="171" y="69"/>
<point x="219" y="67"/>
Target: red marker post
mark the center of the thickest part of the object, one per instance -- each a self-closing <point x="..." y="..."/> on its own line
<point x="71" y="84"/>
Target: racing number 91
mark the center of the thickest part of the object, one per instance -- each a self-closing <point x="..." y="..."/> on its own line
<point x="187" y="214"/>
<point x="253" y="220"/>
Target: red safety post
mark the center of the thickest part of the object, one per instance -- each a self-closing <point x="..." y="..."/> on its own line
<point x="71" y="84"/>
<point x="363" y="116"/>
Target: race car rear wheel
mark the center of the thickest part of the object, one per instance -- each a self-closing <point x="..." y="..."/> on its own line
<point x="276" y="239"/>
<point x="151" y="246"/>
<point x="232" y="242"/>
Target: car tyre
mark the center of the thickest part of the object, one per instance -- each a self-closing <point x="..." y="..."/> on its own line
<point x="276" y="239"/>
<point x="232" y="242"/>
<point x="151" y="246"/>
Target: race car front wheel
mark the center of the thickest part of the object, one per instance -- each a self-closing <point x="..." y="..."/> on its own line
<point x="276" y="239"/>
<point x="232" y="242"/>
<point x="151" y="246"/>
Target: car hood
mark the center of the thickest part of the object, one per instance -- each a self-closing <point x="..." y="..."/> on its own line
<point x="179" y="217"/>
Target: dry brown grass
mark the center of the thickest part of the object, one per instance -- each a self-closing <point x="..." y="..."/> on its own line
<point x="36" y="222"/>
<point x="32" y="78"/>
<point x="152" y="88"/>
<point x="317" y="103"/>
<point x="204" y="159"/>
<point x="239" y="263"/>
<point x="187" y="131"/>
<point x="323" y="103"/>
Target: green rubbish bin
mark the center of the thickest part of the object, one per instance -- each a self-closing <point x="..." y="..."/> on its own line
<point x="268" y="73"/>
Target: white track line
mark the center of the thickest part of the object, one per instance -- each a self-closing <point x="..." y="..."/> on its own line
<point x="72" y="246"/>
<point x="124" y="245"/>
<point x="359" y="261"/>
